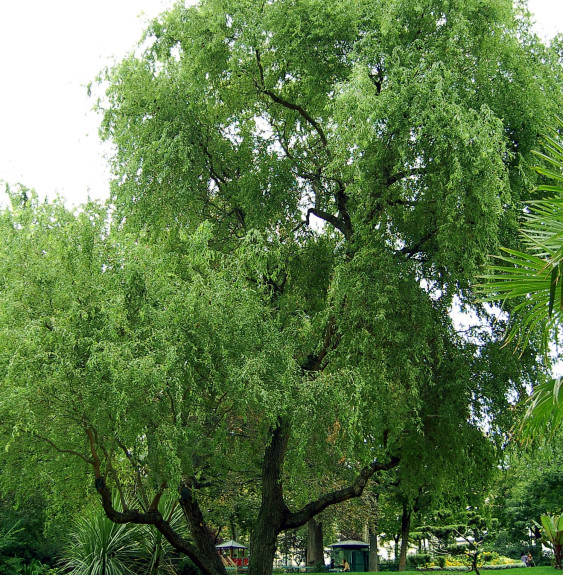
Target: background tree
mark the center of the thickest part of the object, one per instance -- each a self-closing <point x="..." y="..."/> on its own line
<point x="529" y="486"/>
<point x="213" y="333"/>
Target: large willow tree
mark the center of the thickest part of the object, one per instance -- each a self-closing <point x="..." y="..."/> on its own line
<point x="301" y="190"/>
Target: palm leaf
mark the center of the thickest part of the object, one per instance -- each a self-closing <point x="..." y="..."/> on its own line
<point x="534" y="279"/>
<point x="543" y="413"/>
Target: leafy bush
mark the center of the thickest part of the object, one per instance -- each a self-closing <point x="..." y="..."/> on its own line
<point x="37" y="568"/>
<point x="418" y="560"/>
<point x="489" y="559"/>
<point x="505" y="545"/>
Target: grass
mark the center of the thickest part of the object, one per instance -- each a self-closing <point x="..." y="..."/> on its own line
<point x="516" y="571"/>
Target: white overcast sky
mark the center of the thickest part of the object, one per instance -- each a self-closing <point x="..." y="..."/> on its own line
<point x="49" y="52"/>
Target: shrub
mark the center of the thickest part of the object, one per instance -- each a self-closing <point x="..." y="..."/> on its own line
<point x="418" y="560"/>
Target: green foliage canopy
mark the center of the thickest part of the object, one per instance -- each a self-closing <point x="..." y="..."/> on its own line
<point x="214" y="337"/>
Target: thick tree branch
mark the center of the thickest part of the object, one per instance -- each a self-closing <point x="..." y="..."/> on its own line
<point x="331" y="340"/>
<point x="289" y="105"/>
<point x="392" y="179"/>
<point x="411" y="251"/>
<point x="333" y="220"/>
<point x="156" y="499"/>
<point x="341" y="202"/>
<point x="198" y="529"/>
<point x="115" y="477"/>
<point x="150" y="517"/>
<point x="299" y="518"/>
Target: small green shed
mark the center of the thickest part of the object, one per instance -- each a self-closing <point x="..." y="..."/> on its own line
<point x="355" y="552"/>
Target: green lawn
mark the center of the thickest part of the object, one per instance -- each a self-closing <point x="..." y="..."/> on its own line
<point x="516" y="571"/>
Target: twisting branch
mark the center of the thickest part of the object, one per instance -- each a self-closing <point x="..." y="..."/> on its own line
<point x="150" y="517"/>
<point x="299" y="518"/>
<point x="343" y="222"/>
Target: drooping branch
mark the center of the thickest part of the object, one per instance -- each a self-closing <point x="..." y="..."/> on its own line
<point x="61" y="450"/>
<point x="299" y="518"/>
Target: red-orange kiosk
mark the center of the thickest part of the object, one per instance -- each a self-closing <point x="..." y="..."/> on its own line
<point x="233" y="554"/>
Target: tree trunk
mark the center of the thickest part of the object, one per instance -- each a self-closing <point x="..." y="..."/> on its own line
<point x="272" y="508"/>
<point x="209" y="560"/>
<point x="234" y="530"/>
<point x="474" y="558"/>
<point x="373" y="551"/>
<point x="405" y="531"/>
<point x="315" y="547"/>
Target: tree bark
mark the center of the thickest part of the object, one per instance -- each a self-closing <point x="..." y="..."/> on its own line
<point x="272" y="508"/>
<point x="396" y="538"/>
<point x="315" y="547"/>
<point x="200" y="533"/>
<point x="405" y="531"/>
<point x="373" y="551"/>
<point x="373" y="538"/>
<point x="273" y="518"/>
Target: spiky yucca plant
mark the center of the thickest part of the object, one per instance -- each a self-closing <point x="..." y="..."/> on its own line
<point x="97" y="546"/>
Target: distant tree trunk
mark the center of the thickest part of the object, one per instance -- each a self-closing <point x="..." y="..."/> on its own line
<point x="234" y="530"/>
<point x="315" y="547"/>
<point x="373" y="551"/>
<point x="405" y="530"/>
<point x="373" y="537"/>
